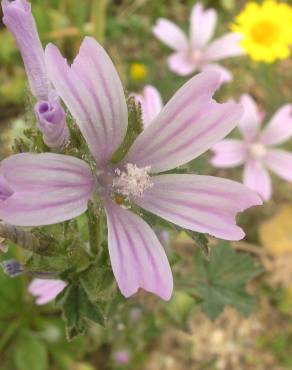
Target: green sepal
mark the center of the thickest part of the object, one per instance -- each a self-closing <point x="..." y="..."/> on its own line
<point x="135" y="127"/>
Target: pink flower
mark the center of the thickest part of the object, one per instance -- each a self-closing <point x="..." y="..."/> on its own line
<point x="49" y="188"/>
<point x="257" y="149"/>
<point x="198" y="53"/>
<point x="18" y="18"/>
<point x="45" y="290"/>
<point x="122" y="357"/>
<point x="151" y="103"/>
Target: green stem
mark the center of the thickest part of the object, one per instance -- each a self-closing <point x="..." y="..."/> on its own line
<point x="98" y="18"/>
<point x="8" y="334"/>
<point x="93" y="223"/>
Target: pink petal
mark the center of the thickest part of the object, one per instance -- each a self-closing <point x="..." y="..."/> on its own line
<point x="181" y="63"/>
<point x="225" y="46"/>
<point x="93" y="92"/>
<point x="229" y="153"/>
<point x="187" y="126"/>
<point x="257" y="178"/>
<point x="170" y="34"/>
<point x="280" y="128"/>
<point x="45" y="290"/>
<point x="47" y="188"/>
<point x="280" y="162"/>
<point x="249" y="124"/>
<point x="137" y="257"/>
<point x="203" y="23"/>
<point x="201" y="203"/>
<point x="226" y="76"/>
<point x="151" y="104"/>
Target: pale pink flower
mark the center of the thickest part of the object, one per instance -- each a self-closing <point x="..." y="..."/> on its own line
<point x="122" y="357"/>
<point x="198" y="52"/>
<point x="46" y="290"/>
<point x="47" y="188"/>
<point x="151" y="103"/>
<point x="257" y="149"/>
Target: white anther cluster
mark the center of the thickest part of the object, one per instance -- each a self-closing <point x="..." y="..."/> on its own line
<point x="133" y="181"/>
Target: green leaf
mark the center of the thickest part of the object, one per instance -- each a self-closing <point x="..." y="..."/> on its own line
<point x="222" y="280"/>
<point x="77" y="307"/>
<point x="30" y="354"/>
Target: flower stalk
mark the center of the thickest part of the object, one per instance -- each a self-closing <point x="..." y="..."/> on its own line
<point x="35" y="242"/>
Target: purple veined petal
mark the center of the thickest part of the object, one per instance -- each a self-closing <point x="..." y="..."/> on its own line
<point x="137" y="257"/>
<point x="170" y="34"/>
<point x="229" y="153"/>
<point x="280" y="162"/>
<point x="46" y="290"/>
<point x="52" y="122"/>
<point x="257" y="178"/>
<point x="188" y="125"/>
<point x="151" y="104"/>
<point x="203" y="23"/>
<point x="226" y="76"/>
<point x="181" y="63"/>
<point x="92" y="91"/>
<point x="200" y="203"/>
<point x="225" y="46"/>
<point x="47" y="188"/>
<point x="280" y="127"/>
<point x="250" y="122"/>
<point x="20" y="22"/>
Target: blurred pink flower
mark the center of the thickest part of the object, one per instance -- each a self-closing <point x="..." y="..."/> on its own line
<point x="45" y="290"/>
<point x="198" y="53"/>
<point x="47" y="188"/>
<point x="122" y="357"/>
<point x="151" y="103"/>
<point x="257" y="149"/>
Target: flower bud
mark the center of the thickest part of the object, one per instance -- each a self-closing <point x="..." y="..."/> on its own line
<point x="19" y="20"/>
<point x="52" y="122"/>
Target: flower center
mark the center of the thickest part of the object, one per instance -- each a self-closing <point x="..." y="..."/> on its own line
<point x="197" y="56"/>
<point x="258" y="151"/>
<point x="265" y="33"/>
<point x="133" y="181"/>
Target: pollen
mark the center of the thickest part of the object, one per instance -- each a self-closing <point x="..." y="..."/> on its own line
<point x="133" y="181"/>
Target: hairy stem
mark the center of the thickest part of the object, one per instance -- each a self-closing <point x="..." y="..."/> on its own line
<point x="36" y="242"/>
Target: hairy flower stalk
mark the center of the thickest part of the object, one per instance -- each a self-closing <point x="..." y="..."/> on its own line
<point x="198" y="53"/>
<point x="49" y="188"/>
<point x="49" y="112"/>
<point x="34" y="242"/>
<point x="257" y="149"/>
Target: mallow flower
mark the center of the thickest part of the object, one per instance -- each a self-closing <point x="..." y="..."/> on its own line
<point x="47" y="188"/>
<point x="18" y="18"/>
<point x="197" y="52"/>
<point x="46" y="290"/>
<point x="257" y="151"/>
<point x="151" y="103"/>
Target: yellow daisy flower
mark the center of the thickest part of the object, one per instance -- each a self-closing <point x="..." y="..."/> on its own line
<point x="266" y="30"/>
